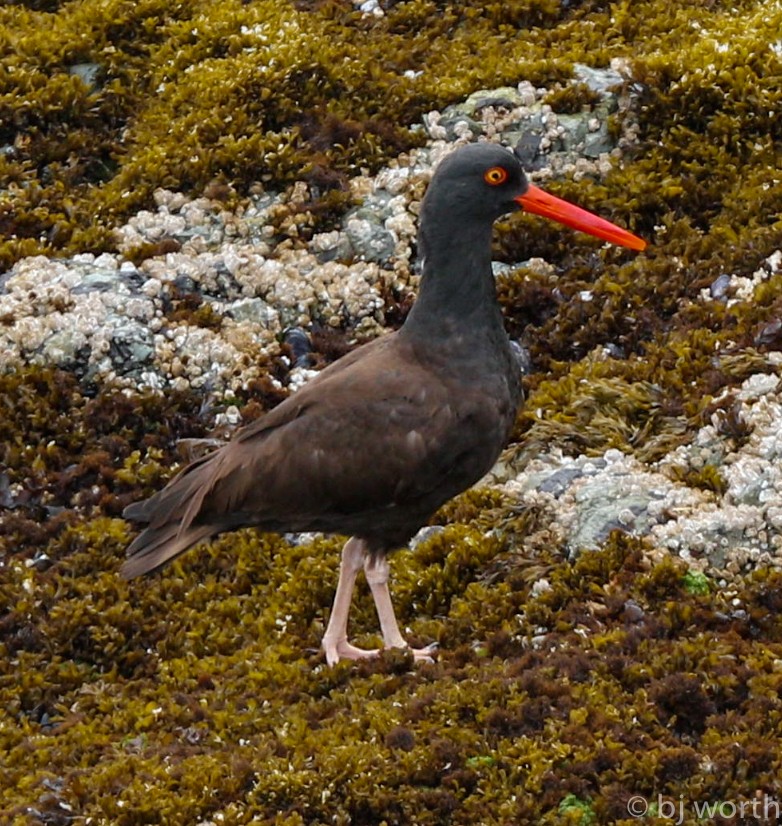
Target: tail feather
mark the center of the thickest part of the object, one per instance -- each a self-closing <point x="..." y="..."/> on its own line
<point x="154" y="547"/>
<point x="137" y="511"/>
<point x="181" y="499"/>
<point x="200" y="502"/>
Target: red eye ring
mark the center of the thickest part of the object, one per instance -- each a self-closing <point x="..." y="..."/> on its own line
<point x="495" y="176"/>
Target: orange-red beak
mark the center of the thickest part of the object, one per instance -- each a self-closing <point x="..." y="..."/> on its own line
<point x="541" y="203"/>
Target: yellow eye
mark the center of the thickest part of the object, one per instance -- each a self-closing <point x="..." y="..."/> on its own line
<point x="496" y="175"/>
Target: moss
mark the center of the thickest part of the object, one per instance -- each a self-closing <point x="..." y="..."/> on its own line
<point x="572" y="98"/>
<point x="188" y="684"/>
<point x="707" y="478"/>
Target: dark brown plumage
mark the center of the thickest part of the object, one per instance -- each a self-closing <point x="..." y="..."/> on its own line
<point x="373" y="445"/>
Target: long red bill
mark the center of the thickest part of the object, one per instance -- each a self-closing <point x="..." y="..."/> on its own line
<point x="541" y="203"/>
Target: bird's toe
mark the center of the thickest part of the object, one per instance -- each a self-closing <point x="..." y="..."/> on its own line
<point x="427" y="654"/>
<point x="343" y="650"/>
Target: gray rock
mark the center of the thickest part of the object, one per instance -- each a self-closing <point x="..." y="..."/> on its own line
<point x="88" y="72"/>
<point x="506" y="97"/>
<point x="526" y="145"/>
<point x="560" y="480"/>
<point x="576" y="129"/>
<point x="455" y="122"/>
<point x="601" y="81"/>
<point x="185" y="284"/>
<point x="374" y="208"/>
<point x="102" y="281"/>
<point x="424" y="534"/>
<point x="605" y="506"/>
<point x="598" y="143"/>
<point x="132" y="345"/>
<point x="370" y="241"/>
<point x="65" y="348"/>
<point x="255" y="310"/>
<point x="339" y="250"/>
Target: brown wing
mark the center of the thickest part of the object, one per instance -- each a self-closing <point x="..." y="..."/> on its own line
<point x="366" y="445"/>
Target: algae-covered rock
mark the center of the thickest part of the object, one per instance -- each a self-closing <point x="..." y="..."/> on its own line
<point x="606" y="605"/>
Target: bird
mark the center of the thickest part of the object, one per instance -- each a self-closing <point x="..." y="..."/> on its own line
<point x="376" y="442"/>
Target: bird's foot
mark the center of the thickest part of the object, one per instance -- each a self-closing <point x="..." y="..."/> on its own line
<point x="343" y="650"/>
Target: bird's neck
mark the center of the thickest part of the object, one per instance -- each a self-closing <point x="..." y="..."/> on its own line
<point x="457" y="285"/>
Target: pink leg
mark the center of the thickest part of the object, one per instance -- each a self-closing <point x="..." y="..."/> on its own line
<point x="376" y="570"/>
<point x="335" y="640"/>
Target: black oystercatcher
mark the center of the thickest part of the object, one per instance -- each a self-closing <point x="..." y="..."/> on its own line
<point x="374" y="444"/>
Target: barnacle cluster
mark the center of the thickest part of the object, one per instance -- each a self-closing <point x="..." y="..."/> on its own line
<point x="567" y="682"/>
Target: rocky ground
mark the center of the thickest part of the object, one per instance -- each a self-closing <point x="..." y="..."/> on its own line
<point x="257" y="277"/>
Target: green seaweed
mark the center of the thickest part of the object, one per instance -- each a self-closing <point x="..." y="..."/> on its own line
<point x="579" y="812"/>
<point x="696" y="582"/>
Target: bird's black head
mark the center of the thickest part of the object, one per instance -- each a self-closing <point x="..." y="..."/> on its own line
<point x="477" y="182"/>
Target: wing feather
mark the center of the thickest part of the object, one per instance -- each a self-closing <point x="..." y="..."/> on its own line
<point x="366" y="435"/>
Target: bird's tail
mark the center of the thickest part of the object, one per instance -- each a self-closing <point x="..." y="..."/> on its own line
<point x="169" y="516"/>
<point x="154" y="547"/>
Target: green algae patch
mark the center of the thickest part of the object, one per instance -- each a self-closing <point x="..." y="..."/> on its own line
<point x="696" y="582"/>
<point x="203" y="689"/>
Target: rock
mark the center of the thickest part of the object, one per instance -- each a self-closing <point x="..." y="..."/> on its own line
<point x="506" y="97"/>
<point x="602" y="81"/>
<point x="131" y="345"/>
<point x="65" y="348"/>
<point x="557" y="482"/>
<point x="606" y="504"/>
<point x="98" y="281"/>
<point x="457" y="124"/>
<point x="87" y="72"/>
<point x="575" y="130"/>
<point x="527" y="147"/>
<point x="254" y="310"/>
<point x="727" y="532"/>
<point x="370" y="241"/>
<point x="331" y="246"/>
<point x="598" y="143"/>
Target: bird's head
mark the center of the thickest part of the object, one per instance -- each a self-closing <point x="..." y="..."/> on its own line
<point x="482" y="181"/>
